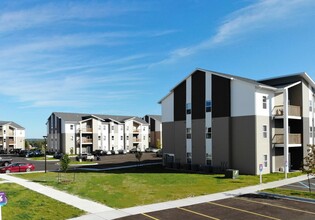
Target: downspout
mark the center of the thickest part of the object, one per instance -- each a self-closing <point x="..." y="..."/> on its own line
<point x="285" y="132"/>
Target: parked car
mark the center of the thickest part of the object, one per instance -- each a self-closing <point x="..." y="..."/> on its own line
<point x="85" y="157"/>
<point x="108" y="153"/>
<point x="17" y="167"/>
<point x="58" y="155"/>
<point x="114" y="152"/>
<point x="122" y="151"/>
<point x="159" y="153"/>
<point x="151" y="149"/>
<point x="5" y="161"/>
<point x="99" y="153"/>
<point x="134" y="150"/>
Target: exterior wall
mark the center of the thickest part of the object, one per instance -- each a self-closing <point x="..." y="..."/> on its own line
<point x="198" y="141"/>
<point x="168" y="108"/>
<point x="243" y="140"/>
<point x="221" y="141"/>
<point x="242" y="98"/>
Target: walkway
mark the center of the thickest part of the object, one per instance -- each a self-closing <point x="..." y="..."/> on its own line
<point x="98" y="211"/>
<point x="83" y="204"/>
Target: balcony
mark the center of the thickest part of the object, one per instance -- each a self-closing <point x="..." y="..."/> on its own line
<point x="136" y="140"/>
<point x="136" y="130"/>
<point x="87" y="130"/>
<point x="293" y="110"/>
<point x="87" y="140"/>
<point x="294" y="139"/>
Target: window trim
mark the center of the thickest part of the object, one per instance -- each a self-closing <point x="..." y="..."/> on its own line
<point x="264" y="102"/>
<point x="265" y="131"/>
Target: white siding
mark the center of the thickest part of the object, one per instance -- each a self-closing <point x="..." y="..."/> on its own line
<point x="168" y="108"/>
<point x="259" y="102"/>
<point x="242" y="98"/>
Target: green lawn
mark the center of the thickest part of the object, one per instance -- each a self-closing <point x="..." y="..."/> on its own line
<point x="25" y="204"/>
<point x="42" y="158"/>
<point x="144" y="185"/>
<point x="289" y="192"/>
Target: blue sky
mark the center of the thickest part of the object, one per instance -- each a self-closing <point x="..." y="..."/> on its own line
<point x="122" y="57"/>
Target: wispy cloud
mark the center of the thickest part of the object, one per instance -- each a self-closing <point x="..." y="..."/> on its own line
<point x="259" y="16"/>
<point x="63" y="11"/>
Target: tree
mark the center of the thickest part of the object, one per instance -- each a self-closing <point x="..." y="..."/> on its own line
<point x="138" y="155"/>
<point x="64" y="163"/>
<point x="309" y="164"/>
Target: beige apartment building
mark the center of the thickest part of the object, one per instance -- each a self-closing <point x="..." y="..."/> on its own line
<point x="84" y="133"/>
<point x="12" y="136"/>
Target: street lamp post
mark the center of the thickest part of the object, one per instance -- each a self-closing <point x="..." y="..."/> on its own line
<point x="45" y="147"/>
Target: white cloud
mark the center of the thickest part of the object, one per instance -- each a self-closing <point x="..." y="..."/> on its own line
<point x="51" y="13"/>
<point x="259" y="16"/>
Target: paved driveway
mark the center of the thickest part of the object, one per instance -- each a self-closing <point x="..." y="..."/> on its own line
<point x="249" y="206"/>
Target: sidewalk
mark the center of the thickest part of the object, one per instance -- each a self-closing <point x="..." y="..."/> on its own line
<point x="83" y="204"/>
<point x="118" y="213"/>
<point x="98" y="211"/>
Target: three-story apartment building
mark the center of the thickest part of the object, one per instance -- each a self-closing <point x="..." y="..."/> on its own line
<point x="12" y="136"/>
<point x="83" y="133"/>
<point x="155" y="122"/>
<point x="222" y="120"/>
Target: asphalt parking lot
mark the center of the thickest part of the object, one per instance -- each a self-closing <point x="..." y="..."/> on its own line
<point x="302" y="186"/>
<point x="249" y="206"/>
<point x="105" y="162"/>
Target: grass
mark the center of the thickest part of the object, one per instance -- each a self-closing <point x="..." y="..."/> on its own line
<point x="42" y="158"/>
<point x="24" y="204"/>
<point x="144" y="185"/>
<point x="290" y="192"/>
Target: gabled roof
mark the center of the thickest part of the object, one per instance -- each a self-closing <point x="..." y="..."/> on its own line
<point x="80" y="117"/>
<point x="13" y="124"/>
<point x="229" y="76"/>
<point x="155" y="117"/>
<point x="272" y="83"/>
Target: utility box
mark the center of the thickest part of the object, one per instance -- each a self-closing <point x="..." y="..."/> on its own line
<point x="230" y="173"/>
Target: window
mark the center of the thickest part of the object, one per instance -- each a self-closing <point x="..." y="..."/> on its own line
<point x="264" y="102"/>
<point x="112" y="127"/>
<point x="99" y="127"/>
<point x="127" y="128"/>
<point x="208" y="133"/>
<point x="264" y="131"/>
<point x="311" y="106"/>
<point x="209" y="159"/>
<point x="72" y="138"/>
<point x="99" y="138"/>
<point x="104" y="138"/>
<point x="112" y="138"/>
<point x="188" y="108"/>
<point x="121" y="128"/>
<point x="121" y="137"/>
<point x="188" y="133"/>
<point x="143" y="128"/>
<point x="265" y="160"/>
<point x="104" y="127"/>
<point x="127" y="138"/>
<point x="188" y="159"/>
<point x="143" y="137"/>
<point x="71" y="127"/>
<point x="311" y="132"/>
<point x="208" y="106"/>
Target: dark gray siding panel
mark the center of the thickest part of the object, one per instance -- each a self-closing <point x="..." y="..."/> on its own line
<point x="243" y="141"/>
<point x="198" y="95"/>
<point x="152" y="124"/>
<point x="221" y="141"/>
<point x="168" y="137"/>
<point x="221" y="97"/>
<point x="180" y="102"/>
<point x="198" y="141"/>
<point x="180" y="141"/>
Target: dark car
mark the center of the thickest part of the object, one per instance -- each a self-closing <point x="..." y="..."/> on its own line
<point x="134" y="150"/>
<point x="58" y="155"/>
<point x="99" y="153"/>
<point x="17" y="167"/>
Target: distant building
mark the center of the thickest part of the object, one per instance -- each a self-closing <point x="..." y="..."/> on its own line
<point x="84" y="133"/>
<point x="12" y="136"/>
<point x="228" y="121"/>
<point x="155" y="122"/>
